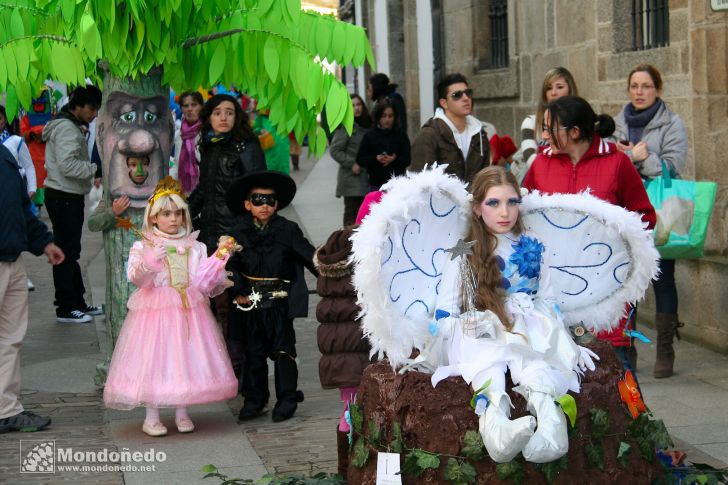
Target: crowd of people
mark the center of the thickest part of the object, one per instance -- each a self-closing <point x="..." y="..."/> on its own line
<point x="232" y="179"/>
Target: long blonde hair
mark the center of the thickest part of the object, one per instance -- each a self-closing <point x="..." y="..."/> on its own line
<point x="162" y="203"/>
<point x="551" y="76"/>
<point x="490" y="293"/>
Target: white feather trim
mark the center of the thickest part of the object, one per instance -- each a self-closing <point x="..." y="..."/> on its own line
<point x="603" y="313"/>
<point x="389" y="331"/>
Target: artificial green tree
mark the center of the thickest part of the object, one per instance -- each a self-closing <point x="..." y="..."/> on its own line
<point x="270" y="49"/>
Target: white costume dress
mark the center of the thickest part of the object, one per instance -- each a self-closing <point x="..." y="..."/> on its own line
<point x="579" y="260"/>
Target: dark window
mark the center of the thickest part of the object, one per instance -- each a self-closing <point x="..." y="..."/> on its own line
<point x="650" y="24"/>
<point x="498" y="16"/>
<point x="490" y="33"/>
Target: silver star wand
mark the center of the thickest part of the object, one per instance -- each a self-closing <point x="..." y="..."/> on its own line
<point x="468" y="284"/>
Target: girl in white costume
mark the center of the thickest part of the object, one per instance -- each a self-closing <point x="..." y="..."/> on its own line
<point x="496" y="315"/>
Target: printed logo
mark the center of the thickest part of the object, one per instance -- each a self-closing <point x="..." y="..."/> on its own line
<point x="37" y="456"/>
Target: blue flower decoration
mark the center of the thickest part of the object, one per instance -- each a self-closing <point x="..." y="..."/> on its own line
<point x="500" y="262"/>
<point x="527" y="256"/>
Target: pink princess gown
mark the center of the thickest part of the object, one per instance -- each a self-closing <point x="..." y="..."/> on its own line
<point x="170" y="351"/>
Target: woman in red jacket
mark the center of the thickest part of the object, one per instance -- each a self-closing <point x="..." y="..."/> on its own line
<point x="578" y="158"/>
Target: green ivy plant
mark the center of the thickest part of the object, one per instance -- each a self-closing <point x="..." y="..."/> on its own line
<point x="648" y="433"/>
<point x="271" y="49"/>
<point x="211" y="471"/>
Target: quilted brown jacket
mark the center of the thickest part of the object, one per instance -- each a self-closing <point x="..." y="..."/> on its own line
<point x="345" y="351"/>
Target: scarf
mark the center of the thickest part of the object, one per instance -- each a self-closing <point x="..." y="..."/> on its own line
<point x="189" y="168"/>
<point x="4" y="136"/>
<point x="211" y="137"/>
<point x="637" y="120"/>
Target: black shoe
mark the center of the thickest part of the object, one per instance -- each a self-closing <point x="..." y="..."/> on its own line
<point x="73" y="316"/>
<point x="284" y="410"/>
<point x="25" y="422"/>
<point x="92" y="310"/>
<point x="251" y="411"/>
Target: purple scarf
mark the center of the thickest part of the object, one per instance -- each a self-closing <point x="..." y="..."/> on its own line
<point x="189" y="168"/>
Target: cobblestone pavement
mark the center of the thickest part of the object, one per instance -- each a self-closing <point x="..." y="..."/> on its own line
<point x="50" y="359"/>
<point x="306" y="444"/>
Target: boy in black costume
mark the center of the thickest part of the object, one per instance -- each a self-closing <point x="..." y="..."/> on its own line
<point x="269" y="289"/>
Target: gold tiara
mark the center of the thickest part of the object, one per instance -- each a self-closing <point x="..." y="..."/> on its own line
<point x="167" y="186"/>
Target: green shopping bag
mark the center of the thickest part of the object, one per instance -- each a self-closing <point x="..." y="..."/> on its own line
<point x="683" y="212"/>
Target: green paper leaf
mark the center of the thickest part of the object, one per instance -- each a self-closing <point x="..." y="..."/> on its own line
<point x="333" y="107"/>
<point x="348" y="121"/>
<point x="294" y="9"/>
<point x="24" y="94"/>
<point x="323" y="39"/>
<point x="22" y="57"/>
<point x="315" y="78"/>
<point x="623" y="454"/>
<point x="361" y="454"/>
<point x="338" y="45"/>
<point x="208" y="469"/>
<point x="473" y="447"/>
<point x="217" y="63"/>
<point x="3" y="74"/>
<point x="68" y="9"/>
<point x="11" y="103"/>
<point x="369" y="54"/>
<point x="17" y="29"/>
<point x="270" y="58"/>
<point x="568" y="405"/>
<point x="10" y="65"/>
<point x="459" y="473"/>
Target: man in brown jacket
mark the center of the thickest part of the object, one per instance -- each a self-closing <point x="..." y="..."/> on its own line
<point x="453" y="136"/>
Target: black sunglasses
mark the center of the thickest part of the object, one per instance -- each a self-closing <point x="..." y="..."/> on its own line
<point x="459" y="94"/>
<point x="258" y="199"/>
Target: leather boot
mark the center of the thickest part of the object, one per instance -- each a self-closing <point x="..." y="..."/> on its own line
<point x="504" y="438"/>
<point x="667" y="326"/>
<point x="342" y="450"/>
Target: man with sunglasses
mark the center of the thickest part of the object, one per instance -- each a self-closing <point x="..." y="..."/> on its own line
<point x="269" y="289"/>
<point x="453" y="136"/>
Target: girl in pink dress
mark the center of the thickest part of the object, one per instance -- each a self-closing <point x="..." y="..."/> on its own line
<point x="170" y="352"/>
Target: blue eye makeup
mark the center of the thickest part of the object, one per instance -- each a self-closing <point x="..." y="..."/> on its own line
<point x="493" y="203"/>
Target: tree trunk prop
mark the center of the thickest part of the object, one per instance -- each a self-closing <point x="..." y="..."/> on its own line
<point x="134" y="135"/>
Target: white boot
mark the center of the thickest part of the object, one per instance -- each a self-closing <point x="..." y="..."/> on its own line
<point x="550" y="441"/>
<point x="504" y="438"/>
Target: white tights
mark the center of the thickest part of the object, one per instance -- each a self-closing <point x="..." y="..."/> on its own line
<point x="153" y="414"/>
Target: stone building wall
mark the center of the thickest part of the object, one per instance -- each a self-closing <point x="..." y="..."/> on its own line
<point x="592" y="38"/>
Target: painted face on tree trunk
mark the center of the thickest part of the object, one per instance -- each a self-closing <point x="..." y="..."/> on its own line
<point x="134" y="135"/>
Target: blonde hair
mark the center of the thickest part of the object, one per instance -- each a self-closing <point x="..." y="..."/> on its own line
<point x="162" y="203"/>
<point x="490" y="294"/>
<point x="551" y="76"/>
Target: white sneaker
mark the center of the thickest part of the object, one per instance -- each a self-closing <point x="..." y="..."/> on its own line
<point x="31" y="286"/>
<point x="74" y="316"/>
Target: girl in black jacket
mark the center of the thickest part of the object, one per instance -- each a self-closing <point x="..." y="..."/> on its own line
<point x="384" y="150"/>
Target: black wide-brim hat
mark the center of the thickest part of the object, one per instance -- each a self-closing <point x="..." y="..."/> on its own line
<point x="283" y="185"/>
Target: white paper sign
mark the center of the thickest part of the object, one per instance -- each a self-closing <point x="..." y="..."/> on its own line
<point x="388" y="469"/>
